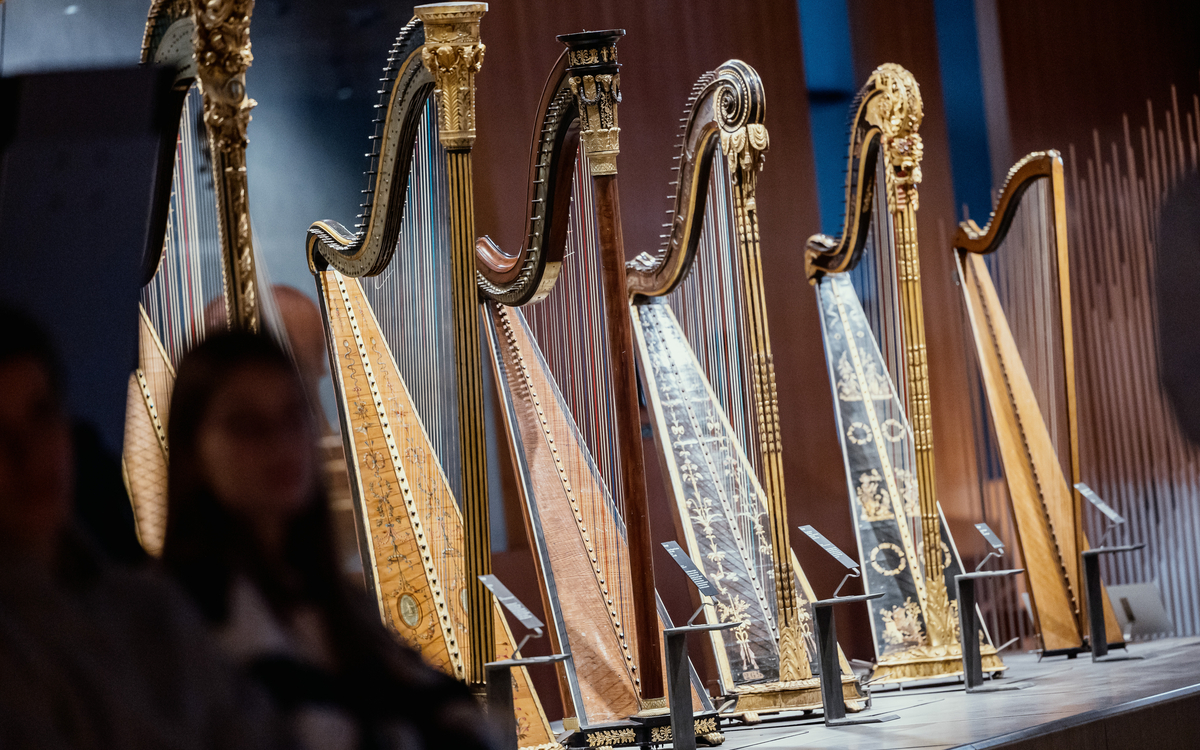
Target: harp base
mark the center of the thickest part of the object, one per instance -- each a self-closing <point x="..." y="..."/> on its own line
<point x="794" y="695"/>
<point x="930" y="663"/>
<point x="643" y="731"/>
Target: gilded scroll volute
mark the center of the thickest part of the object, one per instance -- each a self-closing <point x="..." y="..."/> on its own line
<point x="453" y="54"/>
<point x="897" y="111"/>
<point x="594" y="76"/>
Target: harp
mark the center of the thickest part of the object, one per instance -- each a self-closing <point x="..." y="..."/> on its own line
<point x="560" y="337"/>
<point x="1015" y="279"/>
<point x="400" y="305"/>
<point x="700" y="322"/>
<point x="206" y="274"/>
<point x="875" y="351"/>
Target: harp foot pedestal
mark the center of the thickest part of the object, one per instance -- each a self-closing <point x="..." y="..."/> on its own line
<point x="931" y="663"/>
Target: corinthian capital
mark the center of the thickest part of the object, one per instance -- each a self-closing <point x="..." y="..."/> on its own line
<point x="453" y="54"/>
<point x="595" y="80"/>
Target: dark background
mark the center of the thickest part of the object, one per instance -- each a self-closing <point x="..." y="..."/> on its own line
<point x="998" y="78"/>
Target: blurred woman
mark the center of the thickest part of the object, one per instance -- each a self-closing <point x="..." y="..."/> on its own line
<point x="248" y="535"/>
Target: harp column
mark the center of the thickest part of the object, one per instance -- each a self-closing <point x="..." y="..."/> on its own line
<point x="898" y="112"/>
<point x="454" y="54"/>
<point x="594" y="76"/>
<point x="744" y="147"/>
<point x="222" y="53"/>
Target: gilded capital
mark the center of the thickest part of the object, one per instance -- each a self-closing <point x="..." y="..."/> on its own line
<point x="896" y="109"/>
<point x="594" y="76"/>
<point x="221" y="39"/>
<point x="453" y="54"/>
<point x="741" y="107"/>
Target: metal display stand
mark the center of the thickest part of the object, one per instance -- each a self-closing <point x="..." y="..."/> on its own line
<point x="968" y="622"/>
<point x="1095" y="600"/>
<point x="825" y="627"/>
<point x="831" y="670"/>
<point x="498" y="674"/>
<point x="968" y="614"/>
<point x="679" y="679"/>
<point x="1093" y="585"/>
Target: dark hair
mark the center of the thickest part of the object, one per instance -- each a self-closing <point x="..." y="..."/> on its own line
<point x="206" y="544"/>
<point x="22" y="336"/>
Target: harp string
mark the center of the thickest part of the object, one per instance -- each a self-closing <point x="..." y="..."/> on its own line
<point x="711" y="308"/>
<point x="875" y="282"/>
<point x="188" y="293"/>
<point x="411" y="302"/>
<point x="569" y="328"/>
<point x="411" y="299"/>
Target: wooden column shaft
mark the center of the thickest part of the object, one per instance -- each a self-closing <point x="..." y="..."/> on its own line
<point x="629" y="428"/>
<point x="469" y="379"/>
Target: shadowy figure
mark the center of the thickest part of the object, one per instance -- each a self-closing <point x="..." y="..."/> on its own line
<point x="248" y="534"/>
<point x="91" y="655"/>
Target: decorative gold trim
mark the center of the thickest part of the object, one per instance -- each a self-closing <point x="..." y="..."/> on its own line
<point x="595" y="81"/>
<point x="610" y="737"/>
<point x="453" y="54"/>
<point x="222" y="49"/>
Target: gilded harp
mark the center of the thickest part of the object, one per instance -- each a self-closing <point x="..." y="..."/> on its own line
<point x="205" y="275"/>
<point x="700" y="322"/>
<point x="402" y="321"/>
<point x="1015" y="279"/>
<point x="554" y="322"/>
<point x="869" y="293"/>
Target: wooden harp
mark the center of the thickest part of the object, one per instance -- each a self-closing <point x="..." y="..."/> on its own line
<point x="701" y="328"/>
<point x="1015" y="279"/>
<point x="869" y="292"/>
<point x="399" y="298"/>
<point x="553" y="319"/>
<point x="205" y="276"/>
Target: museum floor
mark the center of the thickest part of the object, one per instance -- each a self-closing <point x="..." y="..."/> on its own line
<point x="1065" y="703"/>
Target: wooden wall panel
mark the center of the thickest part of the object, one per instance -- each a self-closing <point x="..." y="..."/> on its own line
<point x="1074" y="65"/>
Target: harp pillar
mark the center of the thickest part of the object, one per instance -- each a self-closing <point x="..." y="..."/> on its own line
<point x="222" y="53"/>
<point x="594" y="77"/>
<point x="453" y="54"/>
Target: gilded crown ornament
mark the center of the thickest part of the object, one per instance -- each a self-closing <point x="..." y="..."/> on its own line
<point x="595" y="79"/>
<point x="897" y="111"/>
<point x="453" y="54"/>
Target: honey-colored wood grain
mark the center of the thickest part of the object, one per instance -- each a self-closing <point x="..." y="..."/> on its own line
<point x="410" y="520"/>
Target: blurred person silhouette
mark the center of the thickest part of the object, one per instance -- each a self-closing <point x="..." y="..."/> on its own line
<point x="92" y="655"/>
<point x="248" y="535"/>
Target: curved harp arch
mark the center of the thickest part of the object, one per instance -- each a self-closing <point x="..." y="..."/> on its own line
<point x="529" y="275"/>
<point x="727" y="106"/>
<point x="405" y="88"/>
<point x="887" y="110"/>
<point x="1022" y="328"/>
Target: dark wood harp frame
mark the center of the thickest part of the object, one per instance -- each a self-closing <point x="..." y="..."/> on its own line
<point x="1060" y="621"/>
<point x="727" y="108"/>
<point x="578" y="106"/>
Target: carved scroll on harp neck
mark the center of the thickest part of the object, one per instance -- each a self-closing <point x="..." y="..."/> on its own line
<point x="727" y="107"/>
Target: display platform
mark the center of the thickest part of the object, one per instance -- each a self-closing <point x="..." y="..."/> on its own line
<point x="1065" y="703"/>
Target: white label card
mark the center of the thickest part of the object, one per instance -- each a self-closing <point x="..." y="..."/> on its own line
<point x="1101" y="506"/>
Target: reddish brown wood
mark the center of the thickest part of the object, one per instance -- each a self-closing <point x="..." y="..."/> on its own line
<point x="629" y="426"/>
